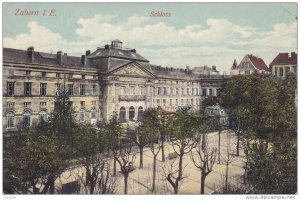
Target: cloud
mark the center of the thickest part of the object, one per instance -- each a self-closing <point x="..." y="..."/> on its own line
<point x="217" y="42"/>
<point x="38" y="36"/>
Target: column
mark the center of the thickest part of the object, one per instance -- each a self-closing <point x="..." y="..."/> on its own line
<point x="127" y="114"/>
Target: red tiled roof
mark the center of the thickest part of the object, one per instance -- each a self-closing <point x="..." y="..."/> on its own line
<point x="160" y="111"/>
<point x="284" y="58"/>
<point x="258" y="63"/>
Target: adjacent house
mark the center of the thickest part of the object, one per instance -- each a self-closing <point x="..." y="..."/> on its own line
<point x="217" y="112"/>
<point x="283" y="64"/>
<point x="252" y="64"/>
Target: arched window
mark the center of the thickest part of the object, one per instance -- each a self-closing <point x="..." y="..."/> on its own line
<point x="27" y="118"/>
<point x="140" y="113"/>
<point x="122" y="114"/>
<point x="10" y="120"/>
<point x="81" y="115"/>
<point x="131" y="113"/>
<point x="93" y="113"/>
<point x="43" y="116"/>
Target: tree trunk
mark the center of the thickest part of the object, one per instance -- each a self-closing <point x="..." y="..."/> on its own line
<point x="176" y="189"/>
<point x="202" y="183"/>
<point x="163" y="151"/>
<point x="141" y="156"/>
<point x="238" y="145"/>
<point x="126" y="183"/>
<point x="52" y="188"/>
<point x="219" y="148"/>
<point x="226" y="177"/>
<point x="154" y="174"/>
<point x="115" y="167"/>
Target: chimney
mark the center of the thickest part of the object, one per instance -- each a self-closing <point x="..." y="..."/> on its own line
<point x="106" y="46"/>
<point x="60" y="57"/>
<point x="30" y="53"/>
<point x="88" y="52"/>
<point x="83" y="60"/>
<point x="133" y="50"/>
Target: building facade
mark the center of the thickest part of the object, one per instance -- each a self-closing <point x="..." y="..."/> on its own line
<point x="111" y="80"/>
<point x="250" y="64"/>
<point x="283" y="64"/>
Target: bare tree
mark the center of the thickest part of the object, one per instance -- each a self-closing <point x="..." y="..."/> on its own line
<point x="227" y="160"/>
<point x="204" y="159"/>
<point x="155" y="152"/>
<point x="125" y="158"/>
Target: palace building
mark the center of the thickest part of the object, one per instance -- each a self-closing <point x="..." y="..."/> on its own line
<point x="111" y="80"/>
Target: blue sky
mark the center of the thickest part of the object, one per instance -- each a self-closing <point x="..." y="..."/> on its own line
<point x="195" y="34"/>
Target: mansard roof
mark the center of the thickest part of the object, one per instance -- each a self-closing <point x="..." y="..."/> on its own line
<point x="23" y="56"/>
<point x="108" y="51"/>
<point x="285" y="58"/>
<point x="259" y="63"/>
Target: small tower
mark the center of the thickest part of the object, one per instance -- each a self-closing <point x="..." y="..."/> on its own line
<point x="234" y="65"/>
<point x="116" y="44"/>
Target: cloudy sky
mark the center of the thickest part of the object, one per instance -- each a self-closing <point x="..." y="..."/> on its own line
<point x="195" y="34"/>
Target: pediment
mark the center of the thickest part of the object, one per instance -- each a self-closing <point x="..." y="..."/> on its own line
<point x="132" y="69"/>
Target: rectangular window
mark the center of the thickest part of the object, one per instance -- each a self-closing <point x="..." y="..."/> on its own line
<point x="158" y="90"/>
<point x="177" y="91"/>
<point x="170" y="102"/>
<point x="43" y="89"/>
<point x="165" y="91"/>
<point x="196" y="91"/>
<point x="70" y="75"/>
<point x="182" y="91"/>
<point x="210" y="92"/>
<point x="10" y="121"/>
<point x="43" y="116"/>
<point x="10" y="88"/>
<point x="204" y="92"/>
<point x="287" y="70"/>
<point x="141" y="90"/>
<point x="164" y="101"/>
<point x="26" y="119"/>
<point x="58" y="89"/>
<point x="43" y="74"/>
<point x="94" y="90"/>
<point x="94" y="114"/>
<point x="10" y="104"/>
<point x="187" y="91"/>
<point x="82" y="89"/>
<point x="276" y="72"/>
<point x="57" y="75"/>
<point x="123" y="90"/>
<point x="27" y="89"/>
<point x="27" y="73"/>
<point x="280" y="71"/>
<point x="157" y="101"/>
<point x="43" y="104"/>
<point x="82" y="103"/>
<point x="70" y="89"/>
<point x="83" y="76"/>
<point x="193" y="91"/>
<point x="94" y="77"/>
<point x="81" y="116"/>
<point x="27" y="104"/>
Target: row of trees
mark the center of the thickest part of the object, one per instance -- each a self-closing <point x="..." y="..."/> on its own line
<point x="34" y="158"/>
<point x="263" y="115"/>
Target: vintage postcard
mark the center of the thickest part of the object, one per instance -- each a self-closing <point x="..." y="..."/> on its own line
<point x="149" y="98"/>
